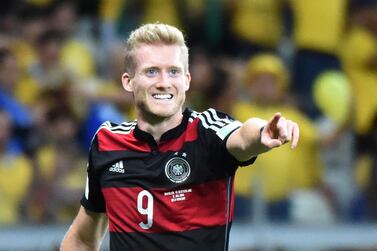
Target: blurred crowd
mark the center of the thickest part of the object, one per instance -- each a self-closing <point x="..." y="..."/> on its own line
<point x="314" y="61"/>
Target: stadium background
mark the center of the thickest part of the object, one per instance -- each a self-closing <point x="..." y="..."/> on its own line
<point x="315" y="61"/>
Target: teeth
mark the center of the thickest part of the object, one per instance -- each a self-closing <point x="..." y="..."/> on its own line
<point x="162" y="96"/>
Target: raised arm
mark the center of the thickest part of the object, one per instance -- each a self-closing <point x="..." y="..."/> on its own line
<point x="257" y="136"/>
<point x="86" y="232"/>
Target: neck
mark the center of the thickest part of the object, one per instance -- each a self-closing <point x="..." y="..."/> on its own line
<point x="157" y="126"/>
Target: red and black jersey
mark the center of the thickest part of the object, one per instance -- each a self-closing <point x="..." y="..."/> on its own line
<point x="173" y="195"/>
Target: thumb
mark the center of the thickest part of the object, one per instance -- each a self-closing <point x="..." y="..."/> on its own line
<point x="271" y="143"/>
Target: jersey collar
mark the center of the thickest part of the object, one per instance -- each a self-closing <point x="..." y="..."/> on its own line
<point x="168" y="135"/>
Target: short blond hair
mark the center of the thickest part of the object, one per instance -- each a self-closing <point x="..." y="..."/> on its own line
<point x="154" y="33"/>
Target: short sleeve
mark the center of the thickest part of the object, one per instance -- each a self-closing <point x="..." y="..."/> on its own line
<point x="93" y="199"/>
<point x="216" y="129"/>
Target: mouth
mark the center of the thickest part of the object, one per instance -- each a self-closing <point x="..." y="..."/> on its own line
<point x="162" y="96"/>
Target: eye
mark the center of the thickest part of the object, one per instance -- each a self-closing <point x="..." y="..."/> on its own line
<point x="174" y="72"/>
<point x="151" y="72"/>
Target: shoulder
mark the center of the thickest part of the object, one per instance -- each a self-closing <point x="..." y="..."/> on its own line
<point x="215" y="121"/>
<point x="210" y="117"/>
<point x="357" y="38"/>
<point x="114" y="128"/>
<point x="110" y="132"/>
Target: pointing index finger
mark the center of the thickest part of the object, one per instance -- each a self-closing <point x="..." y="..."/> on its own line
<point x="275" y="119"/>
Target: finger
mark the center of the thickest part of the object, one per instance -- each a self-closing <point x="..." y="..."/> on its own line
<point x="272" y="126"/>
<point x="271" y="143"/>
<point x="295" y="135"/>
<point x="282" y="130"/>
<point x="275" y="120"/>
<point x="289" y="130"/>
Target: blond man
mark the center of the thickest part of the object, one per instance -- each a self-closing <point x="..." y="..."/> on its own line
<point x="165" y="180"/>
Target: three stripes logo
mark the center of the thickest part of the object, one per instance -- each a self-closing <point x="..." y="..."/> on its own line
<point x="211" y="120"/>
<point x="117" y="167"/>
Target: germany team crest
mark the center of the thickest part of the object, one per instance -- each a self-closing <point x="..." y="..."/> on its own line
<point x="177" y="169"/>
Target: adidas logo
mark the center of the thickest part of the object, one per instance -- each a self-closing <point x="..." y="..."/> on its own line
<point x="117" y="167"/>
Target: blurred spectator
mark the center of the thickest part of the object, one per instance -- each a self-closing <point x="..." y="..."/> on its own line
<point x="46" y="73"/>
<point x="15" y="168"/>
<point x="31" y="24"/>
<point x="278" y="175"/>
<point x="318" y="28"/>
<point x="7" y="20"/>
<point x="221" y="93"/>
<point x="110" y="13"/>
<point x="205" y="24"/>
<point x="256" y="25"/>
<point x="76" y="54"/>
<point x="19" y="114"/>
<point x="202" y="73"/>
<point x="58" y="182"/>
<point x="333" y="96"/>
<point x="359" y="59"/>
<point x="370" y="186"/>
<point x="365" y="205"/>
<point x="108" y="100"/>
<point x="213" y="82"/>
<point x="165" y="11"/>
<point x="118" y="18"/>
<point x="202" y="20"/>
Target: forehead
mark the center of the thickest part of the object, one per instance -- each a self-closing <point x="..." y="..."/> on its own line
<point x="160" y="55"/>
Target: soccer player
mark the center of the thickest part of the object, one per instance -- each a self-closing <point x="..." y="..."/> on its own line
<point x="165" y="180"/>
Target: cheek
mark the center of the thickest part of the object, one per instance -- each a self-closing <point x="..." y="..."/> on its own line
<point x="183" y="84"/>
<point x="139" y="86"/>
<point x="184" y="87"/>
<point x="139" y="94"/>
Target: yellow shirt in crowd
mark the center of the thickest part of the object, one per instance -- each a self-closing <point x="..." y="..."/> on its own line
<point x="265" y="17"/>
<point x="319" y="24"/>
<point x="358" y="50"/>
<point x="164" y="11"/>
<point x="15" y="178"/>
<point x="281" y="170"/>
<point x="71" y="179"/>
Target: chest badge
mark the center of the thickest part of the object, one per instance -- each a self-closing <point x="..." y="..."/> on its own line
<point x="177" y="169"/>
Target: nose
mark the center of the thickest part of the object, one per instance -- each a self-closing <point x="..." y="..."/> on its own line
<point x="163" y="81"/>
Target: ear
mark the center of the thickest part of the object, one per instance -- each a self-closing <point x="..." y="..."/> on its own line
<point x="127" y="82"/>
<point x="188" y="80"/>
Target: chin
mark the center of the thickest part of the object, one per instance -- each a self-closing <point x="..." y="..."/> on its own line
<point x="160" y="113"/>
<point x="164" y="113"/>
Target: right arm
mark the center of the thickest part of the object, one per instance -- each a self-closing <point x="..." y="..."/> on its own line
<point x="86" y="231"/>
<point x="257" y="136"/>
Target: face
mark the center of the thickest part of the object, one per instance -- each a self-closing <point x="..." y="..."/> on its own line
<point x="49" y="54"/>
<point x="264" y="89"/>
<point x="160" y="82"/>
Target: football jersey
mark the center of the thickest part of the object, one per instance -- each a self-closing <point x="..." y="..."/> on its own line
<point x="176" y="194"/>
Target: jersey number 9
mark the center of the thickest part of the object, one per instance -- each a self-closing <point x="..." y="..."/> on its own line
<point x="148" y="210"/>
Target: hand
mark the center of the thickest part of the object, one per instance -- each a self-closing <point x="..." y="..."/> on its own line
<point x="279" y="131"/>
